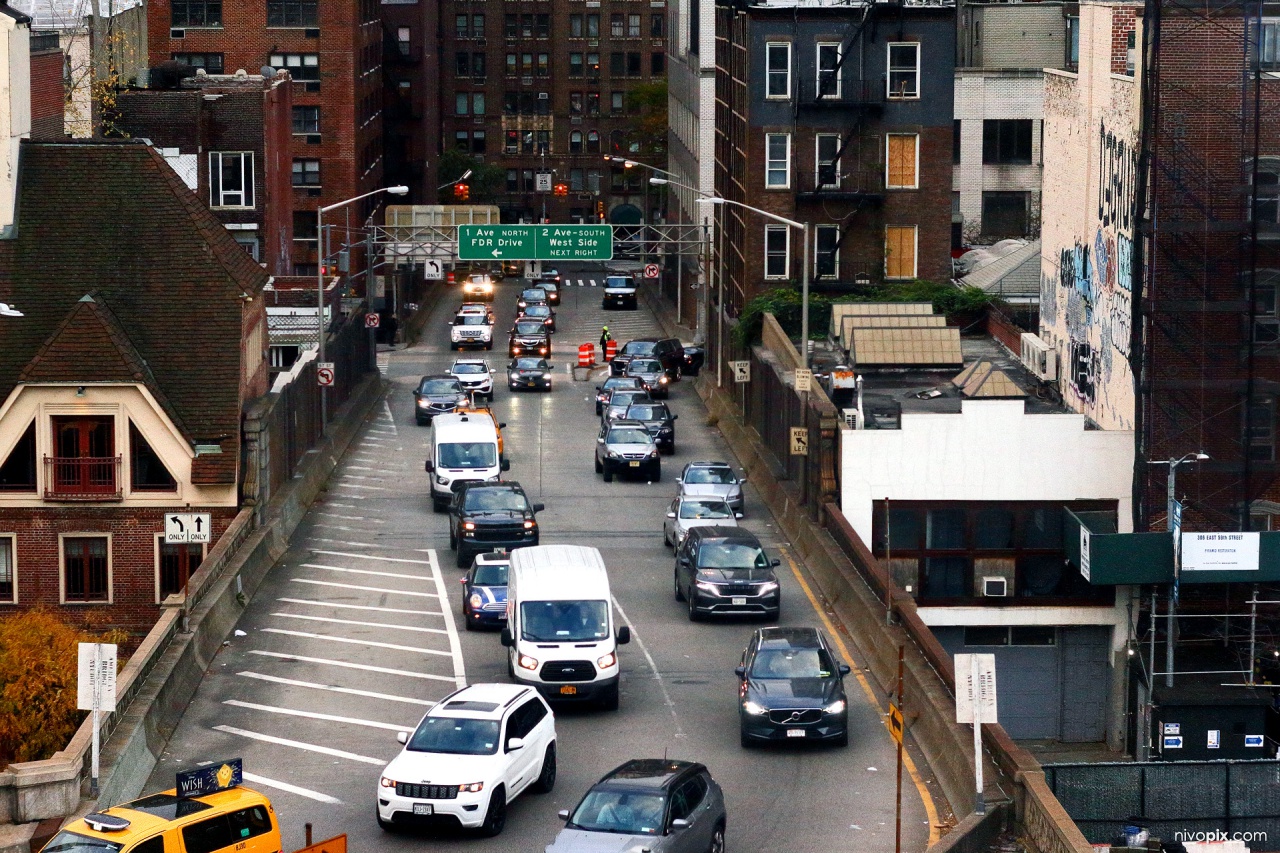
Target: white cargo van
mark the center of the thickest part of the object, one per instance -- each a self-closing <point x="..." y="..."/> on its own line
<point x="560" y="634"/>
<point x="463" y="447"/>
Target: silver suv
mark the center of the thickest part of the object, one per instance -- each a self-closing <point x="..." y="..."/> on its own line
<point x="625" y="447"/>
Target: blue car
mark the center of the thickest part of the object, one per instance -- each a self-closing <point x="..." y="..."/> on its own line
<point x="484" y="591"/>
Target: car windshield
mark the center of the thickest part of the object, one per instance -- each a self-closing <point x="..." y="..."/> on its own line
<point x="469" y="367"/>
<point x="731" y="555"/>
<point x="710" y="476"/>
<point x="440" y="387"/>
<point x="538" y="311"/>
<point x="620" y="382"/>
<point x="619" y="281"/>
<point x="628" y="435"/>
<point x="644" y="365"/>
<point x="705" y="509"/>
<point x="792" y="663"/>
<point x="468" y="454"/>
<point x="455" y="736"/>
<point x="639" y="348"/>
<point x="71" y="842"/>
<point x="619" y="811"/>
<point x="473" y="320"/>
<point x="627" y="397"/>
<point x="647" y="413"/>
<point x="495" y="499"/>
<point x="564" y="621"/>
<point x="491" y="574"/>
<point x="548" y="286"/>
<point x="479" y="278"/>
<point x="529" y="327"/>
<point x="534" y="294"/>
<point x="530" y="364"/>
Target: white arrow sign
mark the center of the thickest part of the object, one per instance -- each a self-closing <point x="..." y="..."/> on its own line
<point x="182" y="527"/>
<point x="433" y="271"/>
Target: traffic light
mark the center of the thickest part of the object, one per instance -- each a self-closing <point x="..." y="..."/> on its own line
<point x="562" y="189"/>
<point x="600" y="210"/>
<point x="461" y="192"/>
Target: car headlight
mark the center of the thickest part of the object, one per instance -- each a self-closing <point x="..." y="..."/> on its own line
<point x="494" y="479"/>
<point x="468" y="525"/>
<point x="387" y="782"/>
<point x="663" y="381"/>
<point x="754" y="708"/>
<point x="424" y="403"/>
<point x="476" y="601"/>
<point x="529" y="525"/>
<point x="708" y="587"/>
<point x="612" y="455"/>
<point x="768" y="587"/>
<point x="527" y="662"/>
<point x="653" y="454"/>
<point x="607" y="661"/>
<point x="836" y="707"/>
<point x="442" y="481"/>
<point x="680" y="534"/>
<point x="471" y="788"/>
<point x="515" y="349"/>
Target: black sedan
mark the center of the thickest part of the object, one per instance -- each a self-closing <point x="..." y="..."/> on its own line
<point x="621" y="398"/>
<point x="531" y="296"/>
<point x="542" y="312"/>
<point x="791" y="689"/>
<point x="552" y="288"/>
<point x="529" y="372"/>
<point x="658" y="420"/>
<point x="437" y="395"/>
<point x="529" y="337"/>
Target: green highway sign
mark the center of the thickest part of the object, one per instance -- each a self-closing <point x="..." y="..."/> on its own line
<point x="535" y="242"/>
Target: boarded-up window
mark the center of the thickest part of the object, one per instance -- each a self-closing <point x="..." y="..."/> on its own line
<point x="903" y="171"/>
<point x="900" y="251"/>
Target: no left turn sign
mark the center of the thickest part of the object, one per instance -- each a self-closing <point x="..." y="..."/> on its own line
<point x="324" y="374"/>
<point x="650" y="270"/>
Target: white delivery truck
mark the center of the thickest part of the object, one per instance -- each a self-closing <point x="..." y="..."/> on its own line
<point x="463" y="447"/>
<point x="561" y="637"/>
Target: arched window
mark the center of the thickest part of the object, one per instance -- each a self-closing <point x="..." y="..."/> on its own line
<point x="593" y="142"/>
<point x="575" y="142"/>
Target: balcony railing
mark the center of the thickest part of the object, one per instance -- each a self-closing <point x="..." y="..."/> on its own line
<point x="853" y="93"/>
<point x="82" y="478"/>
<point x="860" y="184"/>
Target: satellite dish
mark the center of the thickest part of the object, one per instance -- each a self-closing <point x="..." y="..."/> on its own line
<point x="267" y="72"/>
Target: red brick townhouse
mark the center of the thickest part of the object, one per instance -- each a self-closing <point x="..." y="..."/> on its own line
<point x="134" y="337"/>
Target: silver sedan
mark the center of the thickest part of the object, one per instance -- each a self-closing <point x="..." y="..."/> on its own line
<point x="689" y="512"/>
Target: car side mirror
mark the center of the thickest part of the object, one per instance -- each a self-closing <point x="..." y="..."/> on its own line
<point x="844" y="669"/>
<point x="563" y="814"/>
<point x="402" y="737"/>
<point x="624" y="635"/>
<point x="539" y="507"/>
<point x="599" y="441"/>
<point x="503" y="424"/>
<point x="492" y="371"/>
<point x="774" y="562"/>
<point x="679" y="823"/>
<point x="671" y="515"/>
<point x="599" y="388"/>
<point x="506" y="638"/>
<point x="742" y="479"/>
<point x="462" y="580"/>
<point x="737" y="515"/>
<point x="740" y="671"/>
<point x="505" y="466"/>
<point x="679" y="480"/>
<point x="515" y="743"/>
<point x="675" y="417"/>
<point x="430" y="466"/>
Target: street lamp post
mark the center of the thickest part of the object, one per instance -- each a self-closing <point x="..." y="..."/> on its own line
<point x="320" y="259"/>
<point x="700" y="321"/>
<point x="1173" y="523"/>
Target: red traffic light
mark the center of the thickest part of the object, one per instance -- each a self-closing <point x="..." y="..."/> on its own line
<point x="461" y="192"/>
<point x="562" y="189"/>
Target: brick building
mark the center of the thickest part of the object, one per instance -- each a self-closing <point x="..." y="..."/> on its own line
<point x="333" y="50"/>
<point x="48" y="95"/>
<point x="411" y="104"/>
<point x="229" y="137"/>
<point x="839" y="117"/>
<point x="123" y="379"/>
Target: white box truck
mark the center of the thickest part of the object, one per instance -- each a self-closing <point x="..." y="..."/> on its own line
<point x="561" y="635"/>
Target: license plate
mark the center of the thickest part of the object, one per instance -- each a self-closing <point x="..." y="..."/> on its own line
<point x="739" y="600"/>
<point x="795" y="732"/>
<point x="568" y="690"/>
<point x="635" y="464"/>
<point x="423" y="808"/>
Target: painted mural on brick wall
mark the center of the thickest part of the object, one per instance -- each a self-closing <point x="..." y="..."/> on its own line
<point x="1089" y="299"/>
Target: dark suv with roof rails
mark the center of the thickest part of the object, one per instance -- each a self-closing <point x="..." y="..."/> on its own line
<point x="669" y="351"/>
<point x="724" y="571"/>
<point x="792" y="688"/>
<point x="485" y="515"/>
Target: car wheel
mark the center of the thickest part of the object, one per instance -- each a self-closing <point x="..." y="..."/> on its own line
<point x="743" y="739"/>
<point x="717" y="840"/>
<point x="464" y="559"/>
<point x="437" y="506"/>
<point x="547" y="778"/>
<point x="495" y="818"/>
<point x="599" y="412"/>
<point x="453" y="539"/>
<point x="608" y="475"/>
<point x="657" y="473"/>
<point x="693" y="606"/>
<point x="666" y="540"/>
<point x="468" y="622"/>
<point x="599" y="467"/>
<point x="386" y="825"/>
<point x="609" y="701"/>
<point x="843" y="740"/>
<point x="488" y="346"/>
<point x="676" y="587"/>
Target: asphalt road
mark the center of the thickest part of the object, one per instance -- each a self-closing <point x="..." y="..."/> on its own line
<point x="356" y="631"/>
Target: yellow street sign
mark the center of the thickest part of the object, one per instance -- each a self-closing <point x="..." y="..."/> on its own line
<point x="895" y="723"/>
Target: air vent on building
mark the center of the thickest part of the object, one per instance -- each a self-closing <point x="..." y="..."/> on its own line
<point x="995" y="587"/>
<point x="313" y="191"/>
<point x="313" y="139"/>
<point x="1038" y="358"/>
<point x="313" y="33"/>
<point x="526" y="81"/>
<point x="542" y="96"/>
<point x="482" y="41"/>
<point x="312" y="86"/>
<point x="177" y="34"/>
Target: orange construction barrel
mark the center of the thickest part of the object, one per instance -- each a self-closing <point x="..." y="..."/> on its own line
<point x="610" y="349"/>
<point x="586" y="355"/>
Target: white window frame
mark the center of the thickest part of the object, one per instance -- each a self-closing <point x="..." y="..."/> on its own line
<point x="1269" y="46"/>
<point x="916" y="170"/>
<point x="231" y="198"/>
<point x="786" y="256"/>
<point x="771" y="164"/>
<point x="818" y="229"/>
<point x="888" y="77"/>
<point x="915" y="253"/>
<point x="290" y="61"/>
<point x="818" y="161"/>
<point x="838" y="92"/>
<point x="11" y="539"/>
<point x="159" y="545"/>
<point x="62" y="567"/>
<point x="770" y="73"/>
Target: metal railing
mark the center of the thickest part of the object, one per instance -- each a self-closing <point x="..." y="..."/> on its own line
<point x="82" y="478"/>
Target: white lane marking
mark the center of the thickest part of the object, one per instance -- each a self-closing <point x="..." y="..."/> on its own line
<point x="297" y="744"/>
<point x="593" y="282"/>
<point x="334" y="492"/>
<point x="360" y="468"/>
<point x="371" y="643"/>
<point x="292" y="789"/>
<point x="329" y="527"/>
<point x="365" y="624"/>
<point x="359" y="486"/>
<point x="345" y="665"/>
<point x="359" y="476"/>
<point x="293" y="682"/>
<point x="384" y="559"/>
<point x="360" y="607"/>
<point x="366" y="572"/>
<point x="313" y="715"/>
<point x="366" y="588"/>
<point x="386" y="410"/>
<point x="335" y="503"/>
<point x="345" y="542"/>
<point x="662" y="684"/>
<point x="350" y="517"/>
<point x="455" y="647"/>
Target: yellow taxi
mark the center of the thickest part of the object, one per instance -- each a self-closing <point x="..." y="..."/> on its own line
<point x="479" y="408"/>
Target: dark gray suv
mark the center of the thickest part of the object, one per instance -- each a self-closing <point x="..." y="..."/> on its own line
<point x="723" y="571"/>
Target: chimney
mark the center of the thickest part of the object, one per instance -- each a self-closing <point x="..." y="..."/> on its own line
<point x="15" y="102"/>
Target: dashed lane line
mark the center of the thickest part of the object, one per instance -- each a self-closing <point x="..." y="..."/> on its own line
<point x="653" y="665"/>
<point x="315" y="603"/>
<point x="386" y="625"/>
<point x="386" y="670"/>
<point x="366" y="588"/>
<point x="291" y="789"/>
<point x="371" y="694"/>
<point x="374" y="644"/>
<point x="314" y="715"/>
<point x="297" y="744"/>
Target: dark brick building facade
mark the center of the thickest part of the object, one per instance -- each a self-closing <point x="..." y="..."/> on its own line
<point x="230" y="138"/>
<point x="333" y="50"/>
<point x="411" y="105"/>
<point x="48" y="92"/>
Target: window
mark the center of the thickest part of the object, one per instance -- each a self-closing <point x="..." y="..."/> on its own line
<point x="575" y="104"/>
<point x="826" y="256"/>
<point x="593" y="27"/>
<point x="829" y="70"/>
<point x="543" y="141"/>
<point x="18" y="470"/>
<point x="955" y="142"/>
<point x="306" y="173"/>
<point x="210" y="62"/>
<point x="657" y="63"/>
<point x="462" y="26"/>
<point x="477" y="26"/>
<point x="148" y="472"/>
<point x="1269" y="44"/>
<point x="305" y="225"/>
<point x="617" y="104"/>
<point x="902" y="161"/>
<point x="231" y="179"/>
<point x="404" y="40"/>
<point x="196" y="13"/>
<point x="462" y="64"/>
<point x="900" y="251"/>
<point x="462" y="140"/>
<point x="904" y="70"/>
<point x="615" y="25"/>
<point x="777" y="155"/>
<point x="593" y="103"/>
<point x="177" y="563"/>
<point x="593" y="66"/>
<point x="617" y="64"/>
<point x="86" y="570"/>
<point x="513" y="178"/>
<point x="633" y="64"/>
<point x="1266" y="198"/>
<point x="544" y="65"/>
<point x="1262" y="429"/>
<point x="477" y="103"/>
<point x="1004" y="214"/>
<point x="8" y="571"/>
<point x="462" y="103"/>
<point x="777" y="240"/>
<point x="593" y="142"/>
<point x="292" y="13"/>
<point x="306" y="119"/>
<point x="778" y="69"/>
<point x="1006" y="141"/>
<point x="249" y="243"/>
<point x="827" y="163"/>
<point x="511" y="26"/>
<point x="633" y="26"/>
<point x="576" y="182"/>
<point x="542" y="26"/>
<point x="575" y="65"/>
<point x="658" y="26"/>
<point x="1073" y="41"/>
<point x="526" y="64"/>
<point x="1266" y="324"/>
<point x="301" y="66"/>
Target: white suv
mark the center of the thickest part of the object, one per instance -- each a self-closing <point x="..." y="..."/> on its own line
<point x="475" y="374"/>
<point x="473" y="752"/>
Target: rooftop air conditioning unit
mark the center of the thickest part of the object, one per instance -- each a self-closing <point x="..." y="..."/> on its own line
<point x="1038" y="358"/>
<point x="995" y="587"/>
